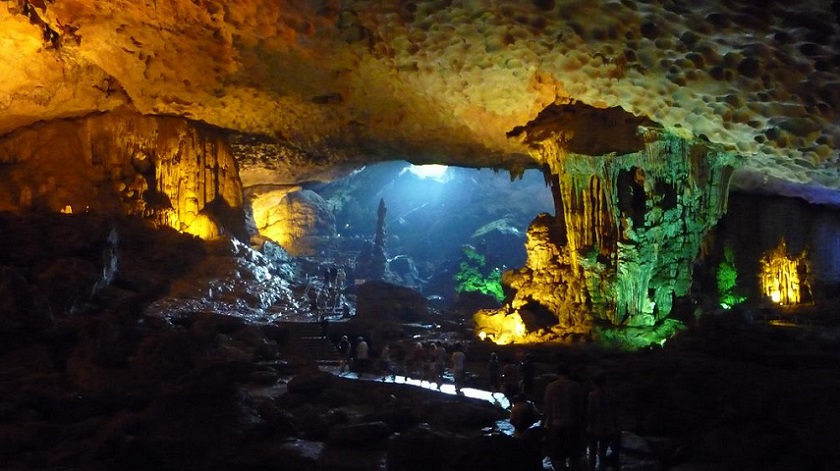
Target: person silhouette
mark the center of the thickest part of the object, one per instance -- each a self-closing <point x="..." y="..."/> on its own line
<point x="459" y="365"/>
<point x="602" y="426"/>
<point x="494" y="371"/>
<point x="563" y="408"/>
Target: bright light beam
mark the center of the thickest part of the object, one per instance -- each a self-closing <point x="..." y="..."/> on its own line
<point x="435" y="172"/>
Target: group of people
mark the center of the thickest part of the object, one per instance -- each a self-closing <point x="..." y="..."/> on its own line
<point x="574" y="416"/>
<point x="512" y="378"/>
<point x="331" y="293"/>
<point x="428" y="362"/>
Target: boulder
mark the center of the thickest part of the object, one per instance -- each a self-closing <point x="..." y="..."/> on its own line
<point x="300" y="221"/>
<point x="380" y="300"/>
<point x="310" y="381"/>
<point x="362" y="434"/>
<point x="289" y="455"/>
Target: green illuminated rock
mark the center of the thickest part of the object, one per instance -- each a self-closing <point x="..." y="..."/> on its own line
<point x="726" y="278"/>
<point x="475" y="276"/>
<point x="627" y="231"/>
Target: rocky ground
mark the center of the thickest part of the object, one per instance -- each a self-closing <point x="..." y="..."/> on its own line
<point x="109" y="384"/>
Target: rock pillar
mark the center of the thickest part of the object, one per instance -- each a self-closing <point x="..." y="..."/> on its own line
<point x="622" y="246"/>
<point x="634" y="223"/>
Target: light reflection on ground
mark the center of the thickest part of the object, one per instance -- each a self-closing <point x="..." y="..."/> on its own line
<point x="498" y="398"/>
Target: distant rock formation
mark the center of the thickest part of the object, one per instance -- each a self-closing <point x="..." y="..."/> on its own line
<point x="373" y="262"/>
<point x="171" y="171"/>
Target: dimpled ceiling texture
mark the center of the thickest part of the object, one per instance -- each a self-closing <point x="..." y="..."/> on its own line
<point x="441" y="81"/>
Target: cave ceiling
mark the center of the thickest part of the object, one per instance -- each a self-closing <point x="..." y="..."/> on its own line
<point x="312" y="85"/>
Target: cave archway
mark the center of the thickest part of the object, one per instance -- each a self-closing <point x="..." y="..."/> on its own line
<point x="433" y="213"/>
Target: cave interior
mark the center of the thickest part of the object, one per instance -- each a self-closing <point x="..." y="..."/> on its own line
<point x="646" y="189"/>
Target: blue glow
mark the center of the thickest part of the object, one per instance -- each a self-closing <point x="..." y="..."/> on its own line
<point x="434" y="172"/>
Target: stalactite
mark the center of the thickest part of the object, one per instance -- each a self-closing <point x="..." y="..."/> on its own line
<point x="633" y="225"/>
<point x="167" y="170"/>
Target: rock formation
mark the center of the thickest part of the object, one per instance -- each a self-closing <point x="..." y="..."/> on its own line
<point x="299" y="220"/>
<point x="373" y="262"/>
<point x="627" y="229"/>
<point x="173" y="172"/>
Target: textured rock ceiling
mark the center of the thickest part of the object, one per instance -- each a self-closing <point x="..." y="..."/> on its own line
<point x="442" y="81"/>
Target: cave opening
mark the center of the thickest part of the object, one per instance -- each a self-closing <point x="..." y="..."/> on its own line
<point x="441" y="222"/>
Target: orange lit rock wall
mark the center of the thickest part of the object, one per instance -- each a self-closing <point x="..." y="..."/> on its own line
<point x="550" y="280"/>
<point x="167" y="170"/>
<point x="298" y="220"/>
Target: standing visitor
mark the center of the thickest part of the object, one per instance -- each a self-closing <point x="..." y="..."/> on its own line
<point x="459" y="364"/>
<point x="528" y="370"/>
<point x="385" y="366"/>
<point x="494" y="370"/>
<point x="340" y="279"/>
<point x="416" y="360"/>
<point x="429" y="363"/>
<point x="345" y="349"/>
<point x="563" y="408"/>
<point x="361" y="356"/>
<point x="602" y="426"/>
<point x="440" y="363"/>
<point x="510" y="381"/>
<point x="333" y="276"/>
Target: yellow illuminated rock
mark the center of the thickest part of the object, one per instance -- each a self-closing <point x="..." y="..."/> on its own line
<point x="292" y="217"/>
<point x="784" y="278"/>
<point x="164" y="169"/>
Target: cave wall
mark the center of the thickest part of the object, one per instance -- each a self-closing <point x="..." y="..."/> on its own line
<point x="300" y="220"/>
<point x="171" y="171"/>
<point x="755" y="225"/>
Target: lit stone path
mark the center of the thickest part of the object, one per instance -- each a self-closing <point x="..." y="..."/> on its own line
<point x="498" y="398"/>
<point x="446" y="388"/>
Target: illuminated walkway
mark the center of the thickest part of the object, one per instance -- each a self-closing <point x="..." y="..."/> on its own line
<point x="498" y="398"/>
